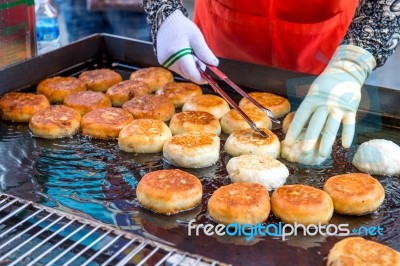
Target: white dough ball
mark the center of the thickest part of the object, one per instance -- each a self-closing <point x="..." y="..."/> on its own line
<point x="378" y="156"/>
<point x="261" y="169"/>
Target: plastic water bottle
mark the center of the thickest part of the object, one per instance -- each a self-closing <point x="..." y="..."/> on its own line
<point x="47" y="29"/>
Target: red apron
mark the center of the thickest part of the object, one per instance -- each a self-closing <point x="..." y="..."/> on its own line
<point x="299" y="35"/>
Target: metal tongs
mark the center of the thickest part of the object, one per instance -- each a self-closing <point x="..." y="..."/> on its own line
<point x="221" y="92"/>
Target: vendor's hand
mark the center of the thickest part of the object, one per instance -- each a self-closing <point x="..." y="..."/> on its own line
<point x="177" y="39"/>
<point x="333" y="99"/>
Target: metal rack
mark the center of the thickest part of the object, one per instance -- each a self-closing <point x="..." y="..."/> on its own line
<point x="33" y="234"/>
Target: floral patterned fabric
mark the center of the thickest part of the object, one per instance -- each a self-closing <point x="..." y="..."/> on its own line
<point x="375" y="28"/>
<point x="157" y="11"/>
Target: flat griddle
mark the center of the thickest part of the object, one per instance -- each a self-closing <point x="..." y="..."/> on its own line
<point x="96" y="180"/>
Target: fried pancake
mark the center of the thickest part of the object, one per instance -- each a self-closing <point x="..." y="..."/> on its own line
<point x="144" y="136"/>
<point x="278" y="105"/>
<point x="100" y="79"/>
<point x="213" y="104"/>
<point x="287" y="121"/>
<point x="57" y="88"/>
<point x="355" y="194"/>
<point x="248" y="141"/>
<point x="194" y="121"/>
<point x="232" y="120"/>
<point x="192" y="150"/>
<point x="86" y="101"/>
<point x="293" y="153"/>
<point x="357" y="251"/>
<point x="56" y="121"/>
<point x="155" y="77"/>
<point x="105" y="123"/>
<point x="20" y="107"/>
<point x="179" y="92"/>
<point x="150" y="106"/>
<point x="302" y="204"/>
<point x="169" y="191"/>
<point x="260" y="169"/>
<point x="244" y="203"/>
<point x="126" y="90"/>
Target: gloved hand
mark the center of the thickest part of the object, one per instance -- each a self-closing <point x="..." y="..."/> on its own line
<point x="177" y="39"/>
<point x="333" y="98"/>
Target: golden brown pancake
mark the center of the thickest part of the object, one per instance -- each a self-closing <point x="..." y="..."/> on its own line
<point x="100" y="79"/>
<point x="301" y="204"/>
<point x="126" y="90"/>
<point x="105" y="123"/>
<point x="155" y="77"/>
<point x="57" y="88"/>
<point x="213" y="104"/>
<point x="232" y="120"/>
<point x="355" y="194"/>
<point x="357" y="251"/>
<point x="56" y="121"/>
<point x="20" y="107"/>
<point x="287" y="121"/>
<point x="248" y="141"/>
<point x="194" y="121"/>
<point x="179" y="92"/>
<point x="86" y="101"/>
<point x="144" y="136"/>
<point x="245" y="203"/>
<point x="278" y="105"/>
<point x="192" y="150"/>
<point x="150" y="106"/>
<point x="169" y="191"/>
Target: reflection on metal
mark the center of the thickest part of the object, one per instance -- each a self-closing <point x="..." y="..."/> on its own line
<point x="32" y="234"/>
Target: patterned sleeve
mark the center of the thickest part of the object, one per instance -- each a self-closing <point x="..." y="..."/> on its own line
<point x="375" y="27"/>
<point x="158" y="10"/>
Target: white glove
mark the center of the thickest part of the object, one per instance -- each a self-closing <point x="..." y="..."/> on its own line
<point x="177" y="39"/>
<point x="333" y="99"/>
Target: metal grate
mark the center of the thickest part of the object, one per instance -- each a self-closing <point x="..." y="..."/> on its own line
<point x="32" y="234"/>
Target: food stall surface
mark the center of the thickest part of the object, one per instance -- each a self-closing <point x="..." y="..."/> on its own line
<point x="95" y="179"/>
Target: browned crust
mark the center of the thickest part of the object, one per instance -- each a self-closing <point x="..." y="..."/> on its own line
<point x="105" y="123"/>
<point x="194" y="121"/>
<point x="169" y="188"/>
<point x="252" y="137"/>
<point x="86" y="101"/>
<point x="206" y="101"/>
<point x="241" y="202"/>
<point x="355" y="193"/>
<point x="155" y="77"/>
<point x="55" y="121"/>
<point x="160" y="181"/>
<point x="358" y="251"/>
<point x="144" y="127"/>
<point x="100" y="79"/>
<point x="232" y="120"/>
<point x="302" y="204"/>
<point x="144" y="136"/>
<point x="126" y="90"/>
<point x="195" y="117"/>
<point x="192" y="140"/>
<point x="213" y="104"/>
<point x="179" y="92"/>
<point x="57" y="88"/>
<point x="20" y="107"/>
<point x="287" y="121"/>
<point x="150" y="106"/>
<point x="278" y="105"/>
